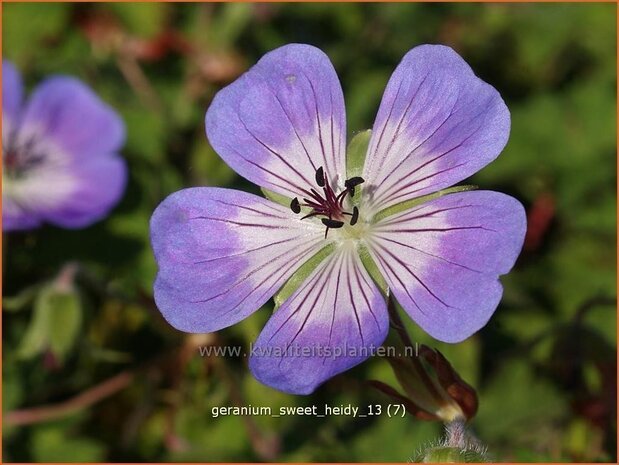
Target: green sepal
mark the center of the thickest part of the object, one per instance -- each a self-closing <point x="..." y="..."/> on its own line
<point x="407" y="204"/>
<point x="277" y="198"/>
<point x="373" y="271"/>
<point x="301" y="275"/>
<point x="355" y="159"/>
<point x="37" y="333"/>
<point x="66" y="322"/>
<point x="356" y="152"/>
<point x="56" y="320"/>
<point x="22" y="300"/>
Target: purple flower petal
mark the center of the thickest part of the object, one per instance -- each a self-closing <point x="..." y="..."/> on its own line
<point x="282" y="120"/>
<point x="223" y="253"/>
<point x="99" y="183"/>
<point x="442" y="259"/>
<point x="12" y="92"/>
<point x="330" y="324"/>
<point x="437" y="124"/>
<point x="68" y="113"/>
<point x="15" y="217"/>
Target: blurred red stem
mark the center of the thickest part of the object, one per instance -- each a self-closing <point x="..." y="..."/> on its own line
<point x="84" y="399"/>
<point x="138" y="81"/>
<point x="79" y="402"/>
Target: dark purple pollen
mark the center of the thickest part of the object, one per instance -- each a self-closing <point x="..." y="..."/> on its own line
<point x="328" y="204"/>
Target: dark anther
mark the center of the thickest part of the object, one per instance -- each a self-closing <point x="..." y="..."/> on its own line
<point x="329" y="223"/>
<point x="294" y="205"/>
<point x="355" y="216"/>
<point x="320" y="177"/>
<point x="351" y="183"/>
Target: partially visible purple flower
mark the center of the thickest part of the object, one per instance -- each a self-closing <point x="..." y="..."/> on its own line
<point x="223" y="253"/>
<point x="60" y="161"/>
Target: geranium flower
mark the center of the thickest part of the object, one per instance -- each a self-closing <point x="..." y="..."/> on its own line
<point x="59" y="154"/>
<point x="222" y="253"/>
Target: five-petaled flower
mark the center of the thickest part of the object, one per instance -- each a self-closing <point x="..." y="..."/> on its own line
<point x="223" y="253"/>
<point x="59" y="154"/>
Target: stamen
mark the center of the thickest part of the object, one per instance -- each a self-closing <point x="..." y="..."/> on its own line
<point x="329" y="223"/>
<point x="316" y="196"/>
<point x="309" y="215"/>
<point x="328" y="204"/>
<point x="355" y="216"/>
<point x="295" y="206"/>
<point x="329" y="195"/>
<point x="320" y="177"/>
<point x="352" y="183"/>
<point x="309" y="203"/>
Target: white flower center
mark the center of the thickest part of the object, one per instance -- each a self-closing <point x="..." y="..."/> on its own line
<point x="35" y="170"/>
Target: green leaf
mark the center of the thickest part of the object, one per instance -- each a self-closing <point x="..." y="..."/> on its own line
<point x="142" y="19"/>
<point x="230" y="23"/>
<point x="400" y="207"/>
<point x="506" y="407"/>
<point x="275" y="197"/>
<point x="301" y="275"/>
<point x="146" y="134"/>
<point x="207" y="167"/>
<point x="56" y="443"/>
<point x="355" y="153"/>
<point x="27" y="26"/>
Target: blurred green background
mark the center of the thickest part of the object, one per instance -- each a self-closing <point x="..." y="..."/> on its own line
<point x="125" y="386"/>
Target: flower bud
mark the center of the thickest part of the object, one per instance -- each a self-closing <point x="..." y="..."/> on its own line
<point x="433" y="390"/>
